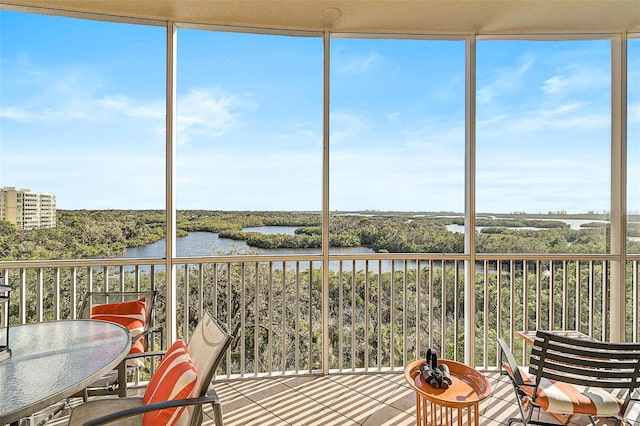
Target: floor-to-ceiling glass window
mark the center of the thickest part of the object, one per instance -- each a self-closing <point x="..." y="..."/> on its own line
<point x="83" y="119"/>
<point x="632" y="273"/>
<point x="543" y="146"/>
<point x="249" y="181"/>
<point x="397" y="141"/>
<point x="249" y="143"/>
<point x="82" y="140"/>
<point x="543" y="182"/>
<point x="397" y="145"/>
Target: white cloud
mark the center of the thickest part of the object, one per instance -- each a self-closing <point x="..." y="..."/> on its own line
<point x="209" y="113"/>
<point x="505" y="80"/>
<point x="61" y="96"/>
<point x="553" y="85"/>
<point x="357" y="63"/>
<point x="542" y="180"/>
<point x="396" y="177"/>
<point x="420" y="165"/>
<point x="304" y="132"/>
<point x="394" y="116"/>
<point x="633" y="113"/>
<point x="346" y="125"/>
<point x="578" y="78"/>
<point x="252" y="180"/>
<point x="15" y="113"/>
<point x="123" y="105"/>
<point x="563" y="109"/>
<point x="71" y="172"/>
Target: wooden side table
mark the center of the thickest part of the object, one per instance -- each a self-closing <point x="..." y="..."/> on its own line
<point x="439" y="407"/>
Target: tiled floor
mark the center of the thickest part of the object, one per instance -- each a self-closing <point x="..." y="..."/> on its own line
<point x="370" y="400"/>
<point x="383" y="399"/>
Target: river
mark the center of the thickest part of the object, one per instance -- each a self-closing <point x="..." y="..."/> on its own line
<point x="209" y="243"/>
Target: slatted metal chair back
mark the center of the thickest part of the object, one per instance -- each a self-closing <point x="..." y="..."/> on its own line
<point x="586" y="362"/>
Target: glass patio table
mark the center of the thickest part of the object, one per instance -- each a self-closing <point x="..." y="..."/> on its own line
<point x="51" y="361"/>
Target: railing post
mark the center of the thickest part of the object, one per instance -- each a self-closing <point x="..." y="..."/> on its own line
<point x="470" y="203"/>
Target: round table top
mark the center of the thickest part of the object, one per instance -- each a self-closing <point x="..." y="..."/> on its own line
<point x="51" y="361"/>
<point x="469" y="385"/>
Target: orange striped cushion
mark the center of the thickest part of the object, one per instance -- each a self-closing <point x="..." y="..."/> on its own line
<point x="565" y="398"/>
<point x="128" y="314"/>
<point x="175" y="378"/>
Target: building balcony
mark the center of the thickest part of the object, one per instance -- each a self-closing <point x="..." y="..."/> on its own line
<point x="324" y="338"/>
<point x="335" y="339"/>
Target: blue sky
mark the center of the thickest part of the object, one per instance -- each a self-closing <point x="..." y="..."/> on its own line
<point x="82" y="115"/>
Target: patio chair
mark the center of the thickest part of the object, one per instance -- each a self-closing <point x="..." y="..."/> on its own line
<point x="569" y="376"/>
<point x="177" y="390"/>
<point x="132" y="309"/>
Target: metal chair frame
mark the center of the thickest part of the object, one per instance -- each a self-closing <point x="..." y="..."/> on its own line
<point x="214" y="337"/>
<point x="574" y="361"/>
<point x="116" y="384"/>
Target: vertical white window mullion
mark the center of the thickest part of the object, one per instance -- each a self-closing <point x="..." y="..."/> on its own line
<point x="170" y="226"/>
<point x="470" y="201"/>
<point x="617" y="307"/>
<point x="325" y="209"/>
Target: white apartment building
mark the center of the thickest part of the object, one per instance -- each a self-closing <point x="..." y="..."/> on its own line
<point x="27" y="209"/>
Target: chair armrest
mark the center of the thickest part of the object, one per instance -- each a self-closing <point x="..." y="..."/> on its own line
<point x="123" y="364"/>
<point x="149" y="408"/>
<point x="122" y="369"/>
<point x="511" y="362"/>
<point x="145" y="354"/>
<point x="148" y="331"/>
<point x="145" y="333"/>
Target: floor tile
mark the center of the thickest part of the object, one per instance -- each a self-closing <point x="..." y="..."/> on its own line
<point x="374" y="399"/>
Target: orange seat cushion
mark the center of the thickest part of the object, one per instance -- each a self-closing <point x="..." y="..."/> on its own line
<point x="128" y="314"/>
<point x="175" y="378"/>
<point x="565" y="398"/>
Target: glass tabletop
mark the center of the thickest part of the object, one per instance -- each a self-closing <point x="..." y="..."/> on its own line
<point x="53" y="360"/>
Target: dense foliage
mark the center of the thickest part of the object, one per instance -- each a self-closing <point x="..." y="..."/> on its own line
<point x="107" y="233"/>
<point x="375" y="316"/>
<point x="82" y="234"/>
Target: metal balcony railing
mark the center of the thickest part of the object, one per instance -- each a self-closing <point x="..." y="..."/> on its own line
<point x="383" y="310"/>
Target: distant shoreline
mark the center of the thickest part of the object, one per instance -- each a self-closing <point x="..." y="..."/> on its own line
<point x="443" y="214"/>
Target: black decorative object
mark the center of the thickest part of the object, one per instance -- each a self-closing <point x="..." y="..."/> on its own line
<point x="438" y="376"/>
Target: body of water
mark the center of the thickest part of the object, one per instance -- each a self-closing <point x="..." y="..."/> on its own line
<point x="198" y="244"/>
<point x="209" y="243"/>
<point x="575" y="224"/>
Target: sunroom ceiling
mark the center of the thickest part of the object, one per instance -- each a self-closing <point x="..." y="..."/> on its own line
<point x="374" y="16"/>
